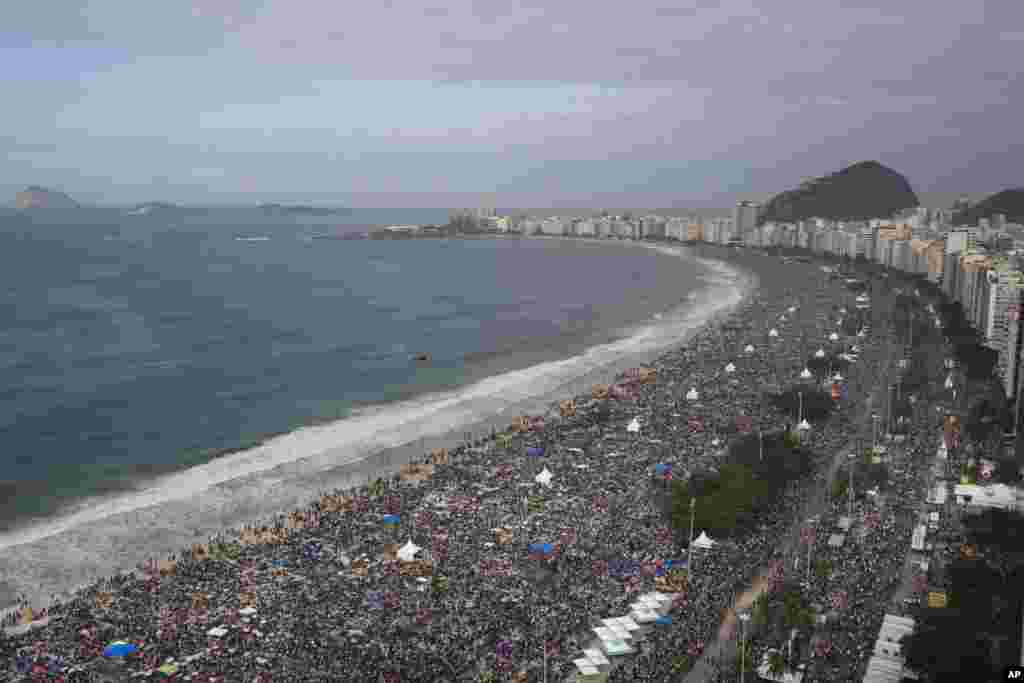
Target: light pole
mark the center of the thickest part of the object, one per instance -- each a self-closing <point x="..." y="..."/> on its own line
<point x="689" y="548"/>
<point x="744" y="617"/>
<point x="800" y="395"/>
<point x="850" y="457"/>
<point x="874" y="432"/>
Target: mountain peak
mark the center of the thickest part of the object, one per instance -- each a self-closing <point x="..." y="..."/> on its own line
<point x="866" y="189"/>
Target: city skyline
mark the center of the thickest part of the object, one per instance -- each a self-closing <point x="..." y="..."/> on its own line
<point x="640" y="105"/>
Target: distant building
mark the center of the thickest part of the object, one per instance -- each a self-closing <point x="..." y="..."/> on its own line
<point x="744" y="219"/>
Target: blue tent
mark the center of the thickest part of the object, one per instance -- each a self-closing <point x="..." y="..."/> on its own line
<point x="535" y="451"/>
<point x="119" y="648"/>
<point x="664" y="621"/>
<point x="845" y="392"/>
<point x="543" y="548"/>
<point x="392" y="519"/>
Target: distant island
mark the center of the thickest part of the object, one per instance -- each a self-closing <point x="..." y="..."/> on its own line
<point x="864" y="190"/>
<point x="1010" y="203"/>
<point x="298" y="210"/>
<point x="35" y="197"/>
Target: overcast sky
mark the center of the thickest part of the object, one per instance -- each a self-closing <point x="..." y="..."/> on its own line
<point x="513" y="103"/>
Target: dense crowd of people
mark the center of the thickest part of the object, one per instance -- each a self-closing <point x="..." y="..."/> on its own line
<point x="509" y="573"/>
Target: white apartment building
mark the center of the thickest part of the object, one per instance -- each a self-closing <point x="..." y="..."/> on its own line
<point x="744" y="219"/>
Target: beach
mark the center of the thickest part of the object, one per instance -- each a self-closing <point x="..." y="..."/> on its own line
<point x="329" y="581"/>
<point x="105" y="537"/>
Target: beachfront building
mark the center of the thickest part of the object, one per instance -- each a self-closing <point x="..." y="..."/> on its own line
<point x="744" y="218"/>
<point x="586" y="228"/>
<point x="653" y="227"/>
<point x="675" y="228"/>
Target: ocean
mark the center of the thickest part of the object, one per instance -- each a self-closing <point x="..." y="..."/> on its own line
<point x="182" y="375"/>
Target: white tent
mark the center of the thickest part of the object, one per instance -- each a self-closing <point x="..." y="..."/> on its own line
<point x="692" y="395"/>
<point x="804" y="425"/>
<point x="749" y="349"/>
<point x="833" y="337"/>
<point x="805" y="374"/>
<point x="544" y="478"/>
<point x="704" y="541"/>
<point x="820" y="353"/>
<point x="773" y="332"/>
<point x="634" y="426"/>
<point x="595" y="656"/>
<point x="838" y="378"/>
<point x="791" y="309"/>
<point x="730" y="368"/>
<point x="408" y="551"/>
<point x="715" y="442"/>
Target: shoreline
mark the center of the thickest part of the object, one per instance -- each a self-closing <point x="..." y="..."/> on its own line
<point x="47" y="549"/>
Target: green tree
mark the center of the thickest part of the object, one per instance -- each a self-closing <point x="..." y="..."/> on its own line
<point x="823" y="569"/>
<point x="776" y="663"/>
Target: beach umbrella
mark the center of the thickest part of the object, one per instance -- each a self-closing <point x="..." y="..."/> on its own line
<point x="820" y="353"/>
<point x="806" y="374"/>
<point x="664" y="621"/>
<point x="804" y="425"/>
<point x="749" y="349"/>
<point x="834" y="336"/>
<point x="715" y="442"/>
<point x="855" y="348"/>
<point x="634" y="426"/>
<point x="662" y="468"/>
<point x="692" y="395"/>
<point x="535" y="451"/>
<point x="544" y="478"/>
<point x="843" y="310"/>
<point x="791" y="309"/>
<point x="861" y="332"/>
<point x="730" y="368"/>
<point x="837" y="378"/>
<point x="392" y="520"/>
<point x="773" y="332"/>
<point x="120" y="648"/>
<point x="949" y="381"/>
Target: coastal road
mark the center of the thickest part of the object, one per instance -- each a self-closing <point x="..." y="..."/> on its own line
<point x="704" y="668"/>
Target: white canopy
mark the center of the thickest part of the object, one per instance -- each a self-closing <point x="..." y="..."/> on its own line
<point x="730" y="368"/>
<point x="408" y="551"/>
<point x="715" y="442"/>
<point x="833" y="337"/>
<point x="855" y="348"/>
<point x="791" y="309"/>
<point x="820" y="353"/>
<point x="837" y="378"/>
<point x="544" y="478"/>
<point x="704" y="541"/>
<point x="843" y="310"/>
<point x="749" y="349"/>
<point x="773" y="332"/>
<point x="595" y="656"/>
<point x="804" y="425"/>
<point x="805" y="374"/>
<point x="861" y="333"/>
<point x="634" y="426"/>
<point x="692" y="395"/>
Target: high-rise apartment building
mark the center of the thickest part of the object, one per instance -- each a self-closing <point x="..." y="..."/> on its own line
<point x="744" y="219"/>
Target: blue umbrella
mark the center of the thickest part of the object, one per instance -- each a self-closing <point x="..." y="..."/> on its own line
<point x="391" y="519"/>
<point x="664" y="621"/>
<point x="279" y="563"/>
<point x="544" y="548"/>
<point x="120" y="648"/>
<point x="535" y="451"/>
